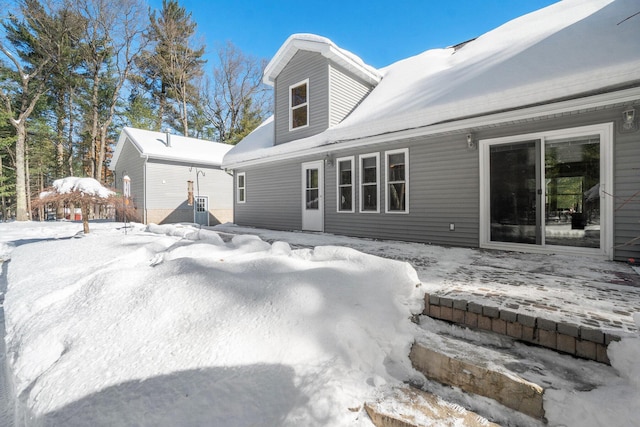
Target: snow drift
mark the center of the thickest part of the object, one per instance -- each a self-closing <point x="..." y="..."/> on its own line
<point x="177" y="327"/>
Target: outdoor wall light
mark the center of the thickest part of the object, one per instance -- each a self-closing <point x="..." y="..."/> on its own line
<point x="629" y="119"/>
<point x="471" y="144"/>
<point x="328" y="158"/>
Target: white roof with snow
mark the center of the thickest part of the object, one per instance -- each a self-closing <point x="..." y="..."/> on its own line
<point x="180" y="149"/>
<point x="569" y="50"/>
<point x="324" y="46"/>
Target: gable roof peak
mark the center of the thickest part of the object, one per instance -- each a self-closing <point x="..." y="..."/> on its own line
<point x="323" y="46"/>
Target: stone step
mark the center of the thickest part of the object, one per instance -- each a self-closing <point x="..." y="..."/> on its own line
<point x="582" y="341"/>
<point x="410" y="407"/>
<point x="512" y="373"/>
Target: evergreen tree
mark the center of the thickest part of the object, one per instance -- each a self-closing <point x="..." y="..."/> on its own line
<point x="139" y="112"/>
<point x="169" y="70"/>
<point x="112" y="42"/>
<point x="29" y="54"/>
<point x="65" y="84"/>
<point x="7" y="172"/>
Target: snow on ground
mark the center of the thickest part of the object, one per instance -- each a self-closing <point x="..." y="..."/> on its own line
<point x="171" y="325"/>
<point x="175" y="327"/>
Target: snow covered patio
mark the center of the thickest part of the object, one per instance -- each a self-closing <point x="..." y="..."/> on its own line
<point x="174" y="325"/>
<point x="581" y="291"/>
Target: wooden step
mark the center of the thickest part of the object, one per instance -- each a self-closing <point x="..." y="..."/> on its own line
<point x="410" y="407"/>
<point x="512" y="373"/>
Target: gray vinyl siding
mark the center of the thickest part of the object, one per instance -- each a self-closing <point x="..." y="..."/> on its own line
<point x="626" y="148"/>
<point x="130" y="163"/>
<point x="167" y="189"/>
<point x="443" y="189"/>
<point x="444" y="176"/>
<point x="627" y="202"/>
<point x="273" y="197"/>
<point x="304" y="65"/>
<point x="167" y="185"/>
<point x="345" y="93"/>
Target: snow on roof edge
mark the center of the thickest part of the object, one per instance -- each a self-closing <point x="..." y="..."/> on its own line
<point x="324" y="46"/>
<point x="505" y="69"/>
<point x="152" y="144"/>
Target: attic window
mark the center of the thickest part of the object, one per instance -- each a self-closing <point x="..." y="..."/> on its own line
<point x="299" y="105"/>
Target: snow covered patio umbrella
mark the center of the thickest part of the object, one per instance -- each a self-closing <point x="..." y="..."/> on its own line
<point x="81" y="191"/>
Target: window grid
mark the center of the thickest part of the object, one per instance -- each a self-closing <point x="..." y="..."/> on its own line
<point x="299" y="105"/>
<point x="397" y="164"/>
<point x="344" y="178"/>
<point x="241" y="188"/>
<point x="200" y="204"/>
<point x="369" y="189"/>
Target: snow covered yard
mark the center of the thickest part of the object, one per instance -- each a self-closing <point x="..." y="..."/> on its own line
<point x="171" y="325"/>
<point x="176" y="327"/>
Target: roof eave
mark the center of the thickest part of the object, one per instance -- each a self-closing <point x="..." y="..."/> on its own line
<point x="592" y="101"/>
<point x="328" y="50"/>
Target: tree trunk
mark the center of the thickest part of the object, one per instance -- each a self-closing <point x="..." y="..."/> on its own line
<point x="21" y="192"/>
<point x="93" y="173"/>
<point x="185" y="119"/>
<point x="85" y="208"/>
<point x="4" y="202"/>
<point x="27" y="176"/>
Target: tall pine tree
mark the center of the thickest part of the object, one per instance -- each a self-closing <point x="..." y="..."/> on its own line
<point x="170" y="68"/>
<point x="29" y="52"/>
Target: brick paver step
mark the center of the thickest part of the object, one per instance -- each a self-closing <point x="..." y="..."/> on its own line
<point x="587" y="342"/>
<point x="512" y="373"/>
<point x="410" y="407"/>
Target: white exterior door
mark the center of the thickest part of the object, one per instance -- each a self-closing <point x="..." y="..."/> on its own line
<point x="201" y="210"/>
<point x="313" y="196"/>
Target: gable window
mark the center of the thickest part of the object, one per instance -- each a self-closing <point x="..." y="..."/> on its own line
<point x="369" y="190"/>
<point x="397" y="180"/>
<point x="345" y="184"/>
<point x="241" y="189"/>
<point x="299" y="105"/>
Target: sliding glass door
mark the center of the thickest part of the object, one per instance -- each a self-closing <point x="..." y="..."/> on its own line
<point x="514" y="195"/>
<point x="572" y="189"/>
<point x="546" y="190"/>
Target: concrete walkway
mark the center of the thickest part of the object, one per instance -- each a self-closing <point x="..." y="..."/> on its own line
<point x="580" y="291"/>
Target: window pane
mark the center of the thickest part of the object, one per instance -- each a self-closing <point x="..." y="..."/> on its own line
<point x="312" y="178"/>
<point x="345" y="198"/>
<point x="299" y="117"/>
<point x="299" y="95"/>
<point x="369" y="162"/>
<point x="513" y="192"/>
<point x="370" y="174"/>
<point x="572" y="188"/>
<point x="345" y="172"/>
<point x="369" y="198"/>
<point x="396" y="167"/>
<point x="396" y="197"/>
<point x="312" y="199"/>
<point x="241" y="194"/>
<point x="240" y="180"/>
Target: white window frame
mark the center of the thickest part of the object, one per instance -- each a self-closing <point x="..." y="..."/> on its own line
<point x="605" y="131"/>
<point x="361" y="158"/>
<point x="387" y="181"/>
<point x="244" y="187"/>
<point x="350" y="159"/>
<point x="291" y="107"/>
